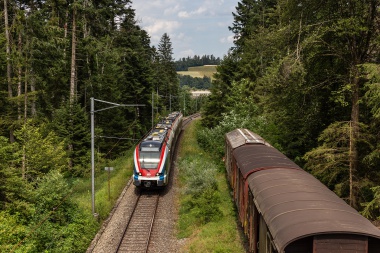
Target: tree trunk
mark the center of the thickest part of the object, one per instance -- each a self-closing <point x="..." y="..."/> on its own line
<point x="354" y="134"/>
<point x="19" y="73"/>
<point x="73" y="59"/>
<point x="8" y="56"/>
<point x="72" y="75"/>
<point x="33" y="110"/>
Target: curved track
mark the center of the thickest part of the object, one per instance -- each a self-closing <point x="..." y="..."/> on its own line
<point x="188" y="119"/>
<point x="142" y="219"/>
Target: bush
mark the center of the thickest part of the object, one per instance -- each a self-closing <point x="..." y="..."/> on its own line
<point x="202" y="188"/>
<point x="212" y="140"/>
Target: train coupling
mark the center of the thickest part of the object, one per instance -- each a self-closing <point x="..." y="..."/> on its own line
<point x="147" y="184"/>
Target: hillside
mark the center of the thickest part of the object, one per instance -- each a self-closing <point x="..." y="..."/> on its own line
<point x="200" y="71"/>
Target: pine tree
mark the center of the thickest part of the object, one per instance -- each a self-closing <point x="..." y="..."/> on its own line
<point x="169" y="84"/>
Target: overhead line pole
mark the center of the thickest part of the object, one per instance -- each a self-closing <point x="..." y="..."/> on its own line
<point x="93" y="141"/>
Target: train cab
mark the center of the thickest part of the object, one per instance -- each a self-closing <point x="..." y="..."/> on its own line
<point x="152" y="155"/>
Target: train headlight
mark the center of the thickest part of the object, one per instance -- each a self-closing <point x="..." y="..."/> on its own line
<point x="139" y="173"/>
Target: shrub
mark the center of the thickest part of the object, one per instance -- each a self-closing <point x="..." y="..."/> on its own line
<point x="212" y="140"/>
<point x="201" y="186"/>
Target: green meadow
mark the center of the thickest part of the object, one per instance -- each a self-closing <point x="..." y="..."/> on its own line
<point x="200" y="71"/>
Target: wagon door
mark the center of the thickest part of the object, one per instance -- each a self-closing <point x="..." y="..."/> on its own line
<point x="253" y="224"/>
<point x="263" y="231"/>
<point x="340" y="244"/>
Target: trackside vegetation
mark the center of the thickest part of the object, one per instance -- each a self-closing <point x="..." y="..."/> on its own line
<point x="207" y="220"/>
<point x="56" y="212"/>
<point x="314" y="82"/>
<point x="56" y="56"/>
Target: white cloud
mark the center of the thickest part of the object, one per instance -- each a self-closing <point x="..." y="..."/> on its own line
<point x="172" y="10"/>
<point x="198" y="12"/>
<point x="186" y="53"/>
<point x="195" y="27"/>
<point x="183" y="14"/>
<point x="162" y="26"/>
<point x="227" y="40"/>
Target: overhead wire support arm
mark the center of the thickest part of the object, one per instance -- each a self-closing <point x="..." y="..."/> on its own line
<point x="114" y="105"/>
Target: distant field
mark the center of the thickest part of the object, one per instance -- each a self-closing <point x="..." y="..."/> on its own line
<point x="201" y="71"/>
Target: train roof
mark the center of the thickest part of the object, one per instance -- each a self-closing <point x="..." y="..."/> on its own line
<point x="242" y="136"/>
<point x="293" y="203"/>
<point x="252" y="158"/>
<point x="154" y="140"/>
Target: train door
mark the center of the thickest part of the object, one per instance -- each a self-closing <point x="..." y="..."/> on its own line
<point x="262" y="236"/>
<point x="236" y="184"/>
<point x="265" y="239"/>
<point x="241" y="199"/>
<point x="253" y="225"/>
<point x="227" y="161"/>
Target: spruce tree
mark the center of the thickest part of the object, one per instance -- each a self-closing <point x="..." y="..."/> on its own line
<point x="169" y="83"/>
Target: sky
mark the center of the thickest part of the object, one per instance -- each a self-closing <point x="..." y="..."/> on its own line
<point x="195" y="27"/>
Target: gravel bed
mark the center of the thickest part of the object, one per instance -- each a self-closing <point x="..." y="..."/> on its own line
<point x="109" y="235"/>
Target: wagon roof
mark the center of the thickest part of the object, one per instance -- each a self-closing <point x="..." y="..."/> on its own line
<point x="251" y="158"/>
<point x="239" y="137"/>
<point x="293" y="203"/>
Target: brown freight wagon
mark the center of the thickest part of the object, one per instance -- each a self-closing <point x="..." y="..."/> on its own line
<point x="284" y="209"/>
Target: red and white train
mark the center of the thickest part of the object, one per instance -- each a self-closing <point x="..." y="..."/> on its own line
<point x="152" y="156"/>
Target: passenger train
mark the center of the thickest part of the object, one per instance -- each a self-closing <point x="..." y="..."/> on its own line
<point x="153" y="154"/>
<point x="284" y="209"/>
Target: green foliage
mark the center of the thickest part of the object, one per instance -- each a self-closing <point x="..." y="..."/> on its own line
<point x="244" y="113"/>
<point x="71" y="123"/>
<point x="60" y="225"/>
<point x="43" y="151"/>
<point x="200" y="176"/>
<point x="330" y="161"/>
<point x="207" y="216"/>
<point x="7" y="152"/>
<point x="11" y="232"/>
<point x="195" y="82"/>
<point x="114" y="62"/>
<point x="372" y="95"/>
<point x="216" y="104"/>
<point x="184" y="63"/>
<point x="372" y="209"/>
<point x="303" y="68"/>
<point x="201" y="185"/>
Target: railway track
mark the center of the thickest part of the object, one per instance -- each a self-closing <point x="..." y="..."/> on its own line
<point x="188" y="119"/>
<point x="138" y="230"/>
<point x="142" y="218"/>
<point x="138" y="234"/>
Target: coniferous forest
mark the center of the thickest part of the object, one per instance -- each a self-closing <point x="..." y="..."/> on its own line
<point x="304" y="74"/>
<point x="56" y="56"/>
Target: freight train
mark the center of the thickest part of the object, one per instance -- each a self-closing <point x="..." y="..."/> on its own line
<point x="153" y="154"/>
<point x="284" y="209"/>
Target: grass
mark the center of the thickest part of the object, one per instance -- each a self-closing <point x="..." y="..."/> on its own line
<point x="220" y="235"/>
<point x="105" y="197"/>
<point x="200" y="71"/>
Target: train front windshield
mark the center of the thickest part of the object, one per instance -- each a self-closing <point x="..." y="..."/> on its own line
<point x="149" y="159"/>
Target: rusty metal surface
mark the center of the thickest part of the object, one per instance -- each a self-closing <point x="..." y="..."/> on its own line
<point x="293" y="203"/>
<point x="251" y="158"/>
<point x="239" y="137"/>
